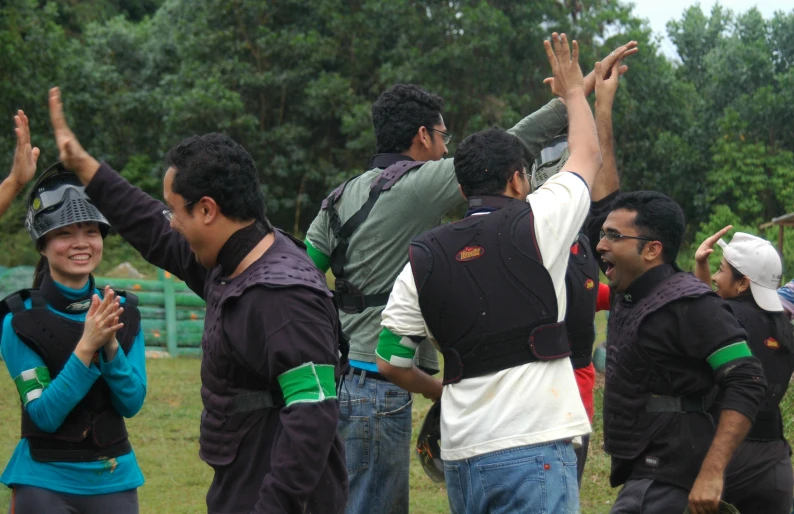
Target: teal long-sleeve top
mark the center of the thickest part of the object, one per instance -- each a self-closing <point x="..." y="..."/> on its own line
<point x="126" y="377"/>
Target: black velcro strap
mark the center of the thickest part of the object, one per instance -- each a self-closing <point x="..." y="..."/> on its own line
<point x="549" y="342"/>
<point x="581" y="362"/>
<point x="474" y="357"/>
<point x="16" y="303"/>
<point x="256" y="400"/>
<point x="353" y="303"/>
<point x="78" y="455"/>
<point x="677" y="404"/>
<point x="37" y="300"/>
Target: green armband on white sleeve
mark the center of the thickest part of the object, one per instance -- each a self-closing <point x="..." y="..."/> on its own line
<point x="31" y="383"/>
<point x="729" y="353"/>
<point x="308" y="383"/>
<point x="397" y="350"/>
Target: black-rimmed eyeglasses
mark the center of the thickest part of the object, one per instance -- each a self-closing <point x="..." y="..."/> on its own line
<point x="445" y="136"/>
<point x="169" y="213"/>
<point x="613" y="237"/>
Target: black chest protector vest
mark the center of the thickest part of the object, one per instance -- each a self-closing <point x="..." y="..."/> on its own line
<point x="772" y="343"/>
<point x="349" y="298"/>
<point x="632" y="377"/>
<point x="581" y="281"/>
<point x="234" y="394"/>
<point x="484" y="292"/>
<point x="93" y="430"/>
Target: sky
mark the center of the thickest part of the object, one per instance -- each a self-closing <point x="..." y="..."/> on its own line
<point x="659" y="12"/>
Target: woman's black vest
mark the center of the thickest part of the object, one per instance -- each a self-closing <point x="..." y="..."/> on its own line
<point x="773" y="344"/>
<point x="581" y="284"/>
<point x="632" y="376"/>
<point x="93" y="430"/>
<point x="484" y="292"/>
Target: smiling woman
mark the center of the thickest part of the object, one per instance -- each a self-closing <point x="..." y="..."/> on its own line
<point x="60" y="342"/>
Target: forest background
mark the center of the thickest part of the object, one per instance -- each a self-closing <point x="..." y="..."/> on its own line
<point x="293" y="82"/>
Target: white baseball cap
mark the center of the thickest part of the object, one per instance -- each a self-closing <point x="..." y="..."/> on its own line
<point x="758" y="260"/>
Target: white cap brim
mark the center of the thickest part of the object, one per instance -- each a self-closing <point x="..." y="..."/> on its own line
<point x="767" y="299"/>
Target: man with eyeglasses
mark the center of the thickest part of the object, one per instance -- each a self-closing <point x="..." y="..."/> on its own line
<point x="672" y="345"/>
<point x="270" y="347"/>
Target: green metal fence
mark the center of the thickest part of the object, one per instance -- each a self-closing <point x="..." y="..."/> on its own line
<point x="172" y="316"/>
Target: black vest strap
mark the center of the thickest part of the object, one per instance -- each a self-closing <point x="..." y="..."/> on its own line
<point x="257" y="400"/>
<point x="478" y="356"/>
<point x="678" y="404"/>
<point x="349" y="298"/>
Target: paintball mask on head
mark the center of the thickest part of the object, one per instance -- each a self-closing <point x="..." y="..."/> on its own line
<point x="57" y="200"/>
<point x="428" y="444"/>
<point x="550" y="161"/>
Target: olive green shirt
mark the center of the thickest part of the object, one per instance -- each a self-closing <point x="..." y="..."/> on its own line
<point x="378" y="248"/>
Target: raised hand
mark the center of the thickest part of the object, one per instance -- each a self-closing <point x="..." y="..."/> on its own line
<point x="564" y="65"/>
<point x="101" y="325"/>
<point x="606" y="84"/>
<point x="25" y="156"/>
<point x="607" y="62"/>
<point x="707" y="247"/>
<point x="73" y="156"/>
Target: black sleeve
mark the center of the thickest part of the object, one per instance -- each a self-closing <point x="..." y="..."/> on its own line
<point x="741" y="378"/>
<point x="139" y="219"/>
<point x="296" y="326"/>
<point x="598" y="213"/>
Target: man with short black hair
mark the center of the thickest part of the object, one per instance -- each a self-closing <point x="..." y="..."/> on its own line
<point x="670" y="341"/>
<point x="270" y="344"/>
<point x="490" y="290"/>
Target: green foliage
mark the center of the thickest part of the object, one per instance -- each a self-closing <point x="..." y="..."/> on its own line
<point x="293" y="82"/>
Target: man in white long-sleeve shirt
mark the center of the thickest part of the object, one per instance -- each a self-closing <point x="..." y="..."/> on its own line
<point x="489" y="290"/>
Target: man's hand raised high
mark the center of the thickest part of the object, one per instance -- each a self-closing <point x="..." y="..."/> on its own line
<point x="607" y="64"/>
<point x="564" y="64"/>
<point x="585" y="155"/>
<point x="73" y="156"/>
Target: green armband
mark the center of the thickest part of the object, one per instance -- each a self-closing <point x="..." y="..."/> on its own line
<point x="308" y="383"/>
<point x="31" y="383"/>
<point x="397" y="350"/>
<point x="729" y="353"/>
<point x="322" y="261"/>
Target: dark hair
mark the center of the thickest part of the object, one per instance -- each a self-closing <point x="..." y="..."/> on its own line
<point x="42" y="267"/>
<point x="485" y="161"/>
<point x="399" y="113"/>
<point x="214" y="165"/>
<point x="658" y="217"/>
<point x="737" y="275"/>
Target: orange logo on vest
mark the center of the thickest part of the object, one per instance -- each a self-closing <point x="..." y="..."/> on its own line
<point x="470" y="253"/>
<point x="772" y="343"/>
<point x="589" y="284"/>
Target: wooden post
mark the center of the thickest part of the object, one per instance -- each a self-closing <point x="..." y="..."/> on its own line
<point x="780" y="238"/>
<point x="170" y="312"/>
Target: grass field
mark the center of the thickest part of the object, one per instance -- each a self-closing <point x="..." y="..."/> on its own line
<point x="165" y="437"/>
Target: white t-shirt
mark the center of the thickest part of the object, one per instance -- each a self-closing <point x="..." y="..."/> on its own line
<point x="528" y="404"/>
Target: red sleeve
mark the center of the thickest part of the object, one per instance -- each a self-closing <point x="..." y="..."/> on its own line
<point x="602" y="302"/>
<point x="585" y="380"/>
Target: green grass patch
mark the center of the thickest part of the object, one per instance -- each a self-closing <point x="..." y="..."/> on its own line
<point x="165" y="437"/>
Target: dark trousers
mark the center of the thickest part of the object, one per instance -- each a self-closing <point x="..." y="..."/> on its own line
<point x="646" y="496"/>
<point x="28" y="499"/>
<point x="770" y="493"/>
<point x="581" y="458"/>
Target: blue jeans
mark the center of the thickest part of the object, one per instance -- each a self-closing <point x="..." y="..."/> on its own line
<point x="535" y="479"/>
<point x="375" y="424"/>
